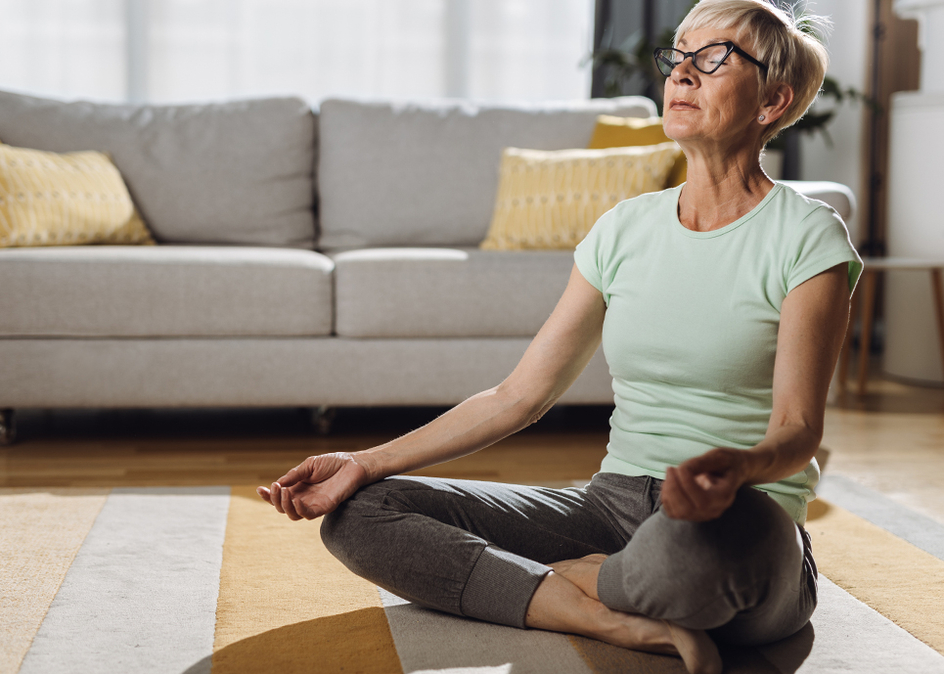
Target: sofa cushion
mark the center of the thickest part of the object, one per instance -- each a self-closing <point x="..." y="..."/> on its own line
<point x="283" y="372"/>
<point x="237" y="173"/>
<point x="441" y="292"/>
<point x="164" y="291"/>
<point x="426" y="174"/>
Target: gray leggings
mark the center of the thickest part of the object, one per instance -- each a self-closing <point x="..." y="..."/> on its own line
<point x="480" y="549"/>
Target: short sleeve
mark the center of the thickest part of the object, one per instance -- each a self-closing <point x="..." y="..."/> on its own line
<point x="590" y="253"/>
<point x="824" y="243"/>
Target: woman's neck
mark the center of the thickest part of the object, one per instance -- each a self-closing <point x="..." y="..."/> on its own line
<point x="720" y="189"/>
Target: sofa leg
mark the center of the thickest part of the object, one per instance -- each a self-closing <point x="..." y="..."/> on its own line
<point x="322" y="419"/>
<point x="7" y="427"/>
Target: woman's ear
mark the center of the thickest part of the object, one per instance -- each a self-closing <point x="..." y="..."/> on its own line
<point x="778" y="100"/>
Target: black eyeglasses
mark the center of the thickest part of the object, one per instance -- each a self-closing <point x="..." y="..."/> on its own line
<point x="707" y="59"/>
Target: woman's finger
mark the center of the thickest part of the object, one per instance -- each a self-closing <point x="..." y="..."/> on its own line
<point x="296" y="474"/>
<point x="276" y="498"/>
<point x="265" y="493"/>
<point x="288" y="505"/>
<point x="675" y="501"/>
<point x="692" y="490"/>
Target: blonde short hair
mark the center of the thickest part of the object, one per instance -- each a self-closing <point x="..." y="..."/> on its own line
<point x="775" y="36"/>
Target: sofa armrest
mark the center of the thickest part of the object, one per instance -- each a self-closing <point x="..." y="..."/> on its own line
<point x="836" y="195"/>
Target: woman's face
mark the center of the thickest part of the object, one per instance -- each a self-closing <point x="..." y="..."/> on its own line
<point x="719" y="109"/>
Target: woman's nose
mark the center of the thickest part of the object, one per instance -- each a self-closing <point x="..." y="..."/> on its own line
<point x="684" y="72"/>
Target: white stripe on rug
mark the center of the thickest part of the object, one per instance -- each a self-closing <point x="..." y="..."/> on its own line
<point x="429" y="641"/>
<point x="848" y="637"/>
<point x="141" y="593"/>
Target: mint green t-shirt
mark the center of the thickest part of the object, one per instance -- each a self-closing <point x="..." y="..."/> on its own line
<point x="690" y="332"/>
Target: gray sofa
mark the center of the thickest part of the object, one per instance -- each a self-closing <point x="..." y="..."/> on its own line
<point x="305" y="258"/>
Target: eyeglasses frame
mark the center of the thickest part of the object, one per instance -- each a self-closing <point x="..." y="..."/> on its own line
<point x="691" y="54"/>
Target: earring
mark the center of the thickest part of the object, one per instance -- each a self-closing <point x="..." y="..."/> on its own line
<point x="761" y="118"/>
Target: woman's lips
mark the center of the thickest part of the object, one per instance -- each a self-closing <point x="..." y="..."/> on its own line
<point x="682" y="105"/>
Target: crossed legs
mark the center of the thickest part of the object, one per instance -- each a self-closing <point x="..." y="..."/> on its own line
<point x="499" y="553"/>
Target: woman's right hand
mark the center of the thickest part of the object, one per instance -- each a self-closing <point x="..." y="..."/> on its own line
<point x="316" y="486"/>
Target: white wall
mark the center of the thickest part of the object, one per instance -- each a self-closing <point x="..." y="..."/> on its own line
<point x="845" y="160"/>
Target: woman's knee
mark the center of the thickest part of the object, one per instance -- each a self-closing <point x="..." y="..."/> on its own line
<point x="362" y="523"/>
<point x="755" y="526"/>
<point x="338" y="531"/>
<point x="334" y="530"/>
<point x="343" y="530"/>
<point x="701" y="574"/>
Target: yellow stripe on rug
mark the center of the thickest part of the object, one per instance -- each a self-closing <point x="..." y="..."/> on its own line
<point x="897" y="579"/>
<point x="41" y="533"/>
<point x="287" y="605"/>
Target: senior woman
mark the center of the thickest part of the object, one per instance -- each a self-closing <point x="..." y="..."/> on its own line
<point x="721" y="306"/>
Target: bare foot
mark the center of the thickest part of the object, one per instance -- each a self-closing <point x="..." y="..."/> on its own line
<point x="695" y="647"/>
<point x="561" y="606"/>
<point x="697" y="650"/>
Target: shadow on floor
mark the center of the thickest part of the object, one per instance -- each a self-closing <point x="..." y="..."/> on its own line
<point x="74" y="424"/>
<point x="358" y="641"/>
<point x="783" y="657"/>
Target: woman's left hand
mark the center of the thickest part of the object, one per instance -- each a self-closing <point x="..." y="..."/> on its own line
<point x="702" y="488"/>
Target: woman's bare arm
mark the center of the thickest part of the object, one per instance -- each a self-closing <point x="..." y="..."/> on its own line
<point x="813" y="323"/>
<point x="808" y="346"/>
<point x="554" y="359"/>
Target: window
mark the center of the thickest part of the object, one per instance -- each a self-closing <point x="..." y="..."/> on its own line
<point x="191" y="50"/>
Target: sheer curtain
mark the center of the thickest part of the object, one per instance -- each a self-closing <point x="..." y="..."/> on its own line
<point x="165" y="51"/>
<point x="63" y="48"/>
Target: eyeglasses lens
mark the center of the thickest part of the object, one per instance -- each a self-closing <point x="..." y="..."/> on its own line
<point x="710" y="59"/>
<point x="707" y="60"/>
<point x="667" y="59"/>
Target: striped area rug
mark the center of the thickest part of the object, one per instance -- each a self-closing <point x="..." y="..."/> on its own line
<point x="209" y="580"/>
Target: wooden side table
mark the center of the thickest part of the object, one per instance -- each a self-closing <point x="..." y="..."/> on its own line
<point x="865" y="292"/>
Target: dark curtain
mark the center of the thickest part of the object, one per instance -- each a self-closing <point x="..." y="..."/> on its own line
<point x="620" y="22"/>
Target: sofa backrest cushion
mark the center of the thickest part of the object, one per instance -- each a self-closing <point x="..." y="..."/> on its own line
<point x="239" y="172"/>
<point x="414" y="174"/>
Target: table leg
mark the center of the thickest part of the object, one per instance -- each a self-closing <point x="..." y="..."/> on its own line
<point x="865" y="337"/>
<point x="847" y="342"/>
<point x="938" y="293"/>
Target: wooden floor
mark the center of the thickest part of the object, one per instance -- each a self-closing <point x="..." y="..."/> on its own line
<point x="891" y="440"/>
<point x="190" y="447"/>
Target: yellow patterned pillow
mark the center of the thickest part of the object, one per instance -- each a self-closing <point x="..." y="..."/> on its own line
<point x="613" y="131"/>
<point x="50" y="199"/>
<point x="550" y="199"/>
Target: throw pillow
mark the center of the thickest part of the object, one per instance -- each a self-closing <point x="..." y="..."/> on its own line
<point x="50" y="199"/>
<point x="550" y="199"/>
<point x="613" y="131"/>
